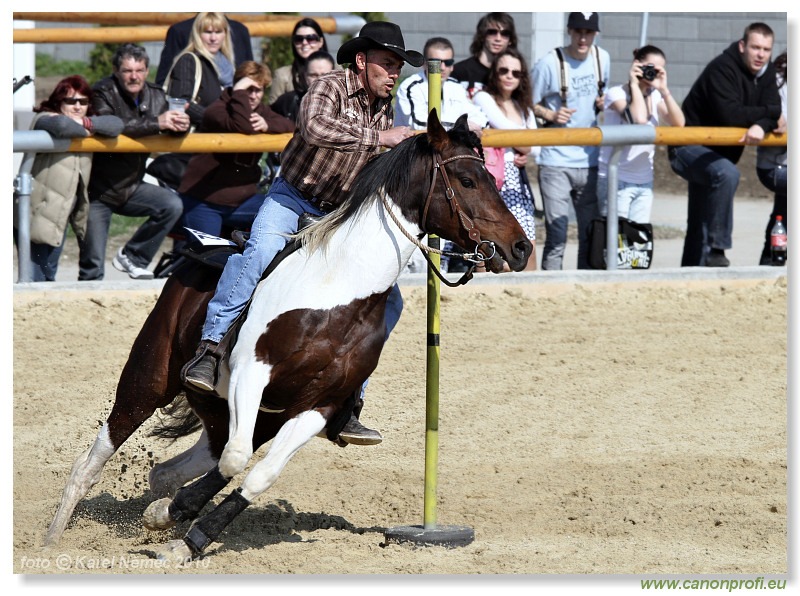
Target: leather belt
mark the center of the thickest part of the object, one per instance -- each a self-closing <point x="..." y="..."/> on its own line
<point x="324" y="206"/>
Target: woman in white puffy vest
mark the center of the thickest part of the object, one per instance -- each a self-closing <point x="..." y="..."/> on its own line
<point x="60" y="180"/>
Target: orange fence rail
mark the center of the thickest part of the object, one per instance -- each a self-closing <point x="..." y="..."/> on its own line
<point x="239" y="143"/>
<point x="139" y="18"/>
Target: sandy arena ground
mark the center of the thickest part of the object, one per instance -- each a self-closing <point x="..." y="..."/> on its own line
<point x="584" y="429"/>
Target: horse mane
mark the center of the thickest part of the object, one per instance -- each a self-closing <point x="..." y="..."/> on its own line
<point x="388" y="172"/>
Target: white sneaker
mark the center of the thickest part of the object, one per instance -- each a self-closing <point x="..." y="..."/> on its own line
<point x="122" y="263"/>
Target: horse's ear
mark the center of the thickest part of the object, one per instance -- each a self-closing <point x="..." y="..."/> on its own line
<point x="461" y="123"/>
<point x="437" y="135"/>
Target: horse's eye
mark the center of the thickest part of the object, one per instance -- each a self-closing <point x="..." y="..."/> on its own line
<point x="467" y="183"/>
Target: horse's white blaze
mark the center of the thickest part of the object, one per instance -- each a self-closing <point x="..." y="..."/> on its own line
<point x="290" y="438"/>
<point x="167" y="477"/>
<point x="85" y="474"/>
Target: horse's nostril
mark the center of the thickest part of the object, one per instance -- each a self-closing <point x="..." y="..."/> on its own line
<point x="523" y="249"/>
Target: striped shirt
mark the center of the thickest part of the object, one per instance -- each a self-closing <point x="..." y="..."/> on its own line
<point x="335" y="136"/>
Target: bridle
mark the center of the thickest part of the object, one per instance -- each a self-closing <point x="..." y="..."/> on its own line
<point x="466" y="222"/>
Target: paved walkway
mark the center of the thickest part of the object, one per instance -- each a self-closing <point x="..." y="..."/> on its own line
<point x="750" y="220"/>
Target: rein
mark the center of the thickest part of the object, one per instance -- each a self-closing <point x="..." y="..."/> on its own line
<point x="466" y="222"/>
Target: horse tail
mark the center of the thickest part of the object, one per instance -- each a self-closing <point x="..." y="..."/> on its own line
<point x="176" y="420"/>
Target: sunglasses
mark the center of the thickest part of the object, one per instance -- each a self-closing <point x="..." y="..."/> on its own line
<point x="449" y="62"/>
<point x="502" y="32"/>
<point x="299" y="39"/>
<point x="71" y="101"/>
<point x="502" y="71"/>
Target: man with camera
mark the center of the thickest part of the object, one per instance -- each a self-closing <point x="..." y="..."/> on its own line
<point x="644" y="99"/>
<point x="568" y="86"/>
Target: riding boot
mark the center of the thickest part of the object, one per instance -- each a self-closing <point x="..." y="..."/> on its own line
<point x="356" y="433"/>
<point x="201" y="371"/>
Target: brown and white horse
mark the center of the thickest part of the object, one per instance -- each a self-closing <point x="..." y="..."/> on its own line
<point x="313" y="334"/>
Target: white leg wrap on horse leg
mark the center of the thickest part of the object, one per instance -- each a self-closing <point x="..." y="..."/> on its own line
<point x="290" y="438"/>
<point x="86" y="472"/>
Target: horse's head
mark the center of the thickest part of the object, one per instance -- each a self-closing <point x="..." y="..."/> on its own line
<point x="463" y="204"/>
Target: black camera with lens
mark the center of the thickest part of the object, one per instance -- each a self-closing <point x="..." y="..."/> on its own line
<point x="649" y="72"/>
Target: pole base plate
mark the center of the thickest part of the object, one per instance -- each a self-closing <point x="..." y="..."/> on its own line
<point x="447" y="536"/>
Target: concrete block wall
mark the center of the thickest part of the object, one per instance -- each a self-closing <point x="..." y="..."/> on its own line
<point x="690" y="40"/>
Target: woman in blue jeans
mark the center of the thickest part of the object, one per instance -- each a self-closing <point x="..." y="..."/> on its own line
<point x="644" y="99"/>
<point x="772" y="164"/>
<point x="221" y="190"/>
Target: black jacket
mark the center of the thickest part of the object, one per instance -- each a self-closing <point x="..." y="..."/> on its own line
<point x="178" y="38"/>
<point x="116" y="175"/>
<point x="182" y="83"/>
<point x="727" y="94"/>
<point x="288" y="105"/>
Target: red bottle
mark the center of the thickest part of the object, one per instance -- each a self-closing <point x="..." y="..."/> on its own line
<point x="778" y="242"/>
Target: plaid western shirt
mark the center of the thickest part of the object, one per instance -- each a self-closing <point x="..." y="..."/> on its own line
<point x="335" y="136"/>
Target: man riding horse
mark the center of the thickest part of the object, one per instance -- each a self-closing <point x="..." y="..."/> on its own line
<point x="345" y="119"/>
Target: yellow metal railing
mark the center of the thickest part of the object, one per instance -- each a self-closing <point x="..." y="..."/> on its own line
<point x="239" y="143"/>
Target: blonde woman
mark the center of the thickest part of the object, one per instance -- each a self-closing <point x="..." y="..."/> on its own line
<point x="211" y="49"/>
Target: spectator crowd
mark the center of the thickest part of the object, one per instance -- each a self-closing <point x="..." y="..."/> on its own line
<point x="346" y="108"/>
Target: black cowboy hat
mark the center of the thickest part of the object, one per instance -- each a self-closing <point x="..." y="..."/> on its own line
<point x="380" y="35"/>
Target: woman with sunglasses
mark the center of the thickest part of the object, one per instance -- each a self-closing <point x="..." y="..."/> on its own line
<point x="494" y="34"/>
<point x="318" y="64"/>
<point x="307" y="38"/>
<point x="60" y="180"/>
<point x="507" y="102"/>
<point x="221" y="190"/>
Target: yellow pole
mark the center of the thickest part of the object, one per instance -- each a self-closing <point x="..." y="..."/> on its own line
<point x="432" y="385"/>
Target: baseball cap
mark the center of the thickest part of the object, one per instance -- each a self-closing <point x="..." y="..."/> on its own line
<point x="584" y="20"/>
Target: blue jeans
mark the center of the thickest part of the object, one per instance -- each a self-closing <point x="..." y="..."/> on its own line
<point x="276" y="219"/>
<point x="775" y="180"/>
<point x="634" y="201"/>
<point x="559" y="186"/>
<point x="44" y="259"/>
<point x="209" y="218"/>
<point x="163" y="208"/>
<point x="713" y="181"/>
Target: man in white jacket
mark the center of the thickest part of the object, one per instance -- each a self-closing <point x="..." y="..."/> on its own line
<point x="411" y="107"/>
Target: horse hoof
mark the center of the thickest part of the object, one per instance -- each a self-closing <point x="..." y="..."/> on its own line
<point x="174" y="552"/>
<point x="162" y="483"/>
<point x="157" y="517"/>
